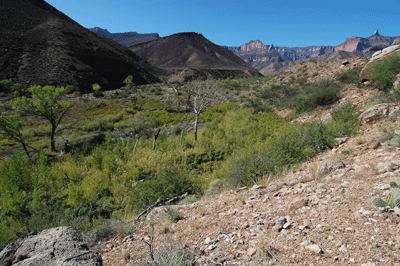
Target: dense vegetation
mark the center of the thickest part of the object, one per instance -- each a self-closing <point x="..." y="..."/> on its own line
<point x="114" y="169"/>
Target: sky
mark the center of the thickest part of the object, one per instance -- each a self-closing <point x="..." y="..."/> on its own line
<point x="233" y="23"/>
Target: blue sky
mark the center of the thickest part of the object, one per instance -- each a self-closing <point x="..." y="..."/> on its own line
<point x="234" y="22"/>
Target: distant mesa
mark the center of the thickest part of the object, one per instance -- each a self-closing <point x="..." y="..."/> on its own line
<point x="40" y="45"/>
<point x="127" y="38"/>
<point x="189" y="55"/>
<point x="270" y="58"/>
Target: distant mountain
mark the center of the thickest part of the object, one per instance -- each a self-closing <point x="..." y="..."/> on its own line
<point x="261" y="56"/>
<point x="191" y="50"/>
<point x="127" y="38"/>
<point x="40" y="45"/>
<point x="359" y="44"/>
<point x="269" y="58"/>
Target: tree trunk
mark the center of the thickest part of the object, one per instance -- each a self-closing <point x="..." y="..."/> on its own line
<point x="195" y="126"/>
<point x="52" y="136"/>
<point x="155" y="138"/>
<point x="25" y="149"/>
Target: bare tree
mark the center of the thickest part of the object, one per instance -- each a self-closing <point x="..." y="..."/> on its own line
<point x="204" y="93"/>
<point x="11" y="126"/>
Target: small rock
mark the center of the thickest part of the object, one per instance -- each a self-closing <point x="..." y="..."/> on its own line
<point x="287" y="226"/>
<point x="314" y="248"/>
<point x="280" y="222"/>
<point x="343" y="249"/>
<point x="208" y="240"/>
<point x="306" y="223"/>
<point x="396" y="211"/>
<point x="377" y="145"/>
<point x="256" y="187"/>
<point x="251" y="252"/>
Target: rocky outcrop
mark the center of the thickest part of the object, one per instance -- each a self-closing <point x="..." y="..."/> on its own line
<point x="56" y="246"/>
<point x="360" y="44"/>
<point x="265" y="57"/>
<point x="376" y="57"/>
<point x="378" y="113"/>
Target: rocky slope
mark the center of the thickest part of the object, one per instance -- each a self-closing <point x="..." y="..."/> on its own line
<point x="126" y="38"/>
<point x="40" y="45"/>
<point x="190" y="50"/>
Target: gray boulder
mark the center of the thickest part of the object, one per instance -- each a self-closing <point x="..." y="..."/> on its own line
<point x="56" y="246"/>
<point x="378" y="113"/>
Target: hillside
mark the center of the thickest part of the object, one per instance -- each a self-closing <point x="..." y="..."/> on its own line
<point x="127" y="38"/>
<point x="324" y="205"/>
<point x="193" y="51"/>
<point x="40" y="45"/>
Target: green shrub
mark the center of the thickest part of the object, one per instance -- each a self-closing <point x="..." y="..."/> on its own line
<point x="322" y="93"/>
<point x="98" y="94"/>
<point x="103" y="231"/>
<point x="6" y="83"/>
<point x="168" y="182"/>
<point x="126" y="229"/>
<point x="384" y="73"/>
<point x="173" y="215"/>
<point x="351" y="76"/>
<point x="345" y="120"/>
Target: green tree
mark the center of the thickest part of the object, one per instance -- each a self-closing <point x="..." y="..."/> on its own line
<point x="46" y="102"/>
<point x="11" y="126"/>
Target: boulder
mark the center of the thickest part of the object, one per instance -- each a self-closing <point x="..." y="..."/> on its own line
<point x="377" y="57"/>
<point x="396" y="84"/>
<point x="377" y="113"/>
<point x="56" y="246"/>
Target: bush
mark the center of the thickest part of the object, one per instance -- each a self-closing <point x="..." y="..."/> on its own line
<point x="345" y="120"/>
<point x="98" y="94"/>
<point x="321" y="93"/>
<point x="383" y="73"/>
<point x="351" y="76"/>
<point x="173" y="215"/>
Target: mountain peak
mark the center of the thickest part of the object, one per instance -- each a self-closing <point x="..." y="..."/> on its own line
<point x="377" y="35"/>
<point x="100" y="31"/>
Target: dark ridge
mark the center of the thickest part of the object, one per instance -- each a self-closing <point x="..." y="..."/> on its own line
<point x="40" y="45"/>
<point x="191" y="50"/>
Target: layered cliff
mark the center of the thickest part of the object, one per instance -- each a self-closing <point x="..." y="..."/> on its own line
<point x="360" y="44"/>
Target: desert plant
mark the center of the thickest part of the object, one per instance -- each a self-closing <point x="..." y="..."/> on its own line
<point x="174" y="215"/>
<point x="323" y="92"/>
<point x="383" y="73"/>
<point x="351" y="76"/>
<point x="392" y="200"/>
<point x="129" y="82"/>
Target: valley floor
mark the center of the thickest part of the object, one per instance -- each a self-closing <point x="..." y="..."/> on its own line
<point x="330" y="220"/>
